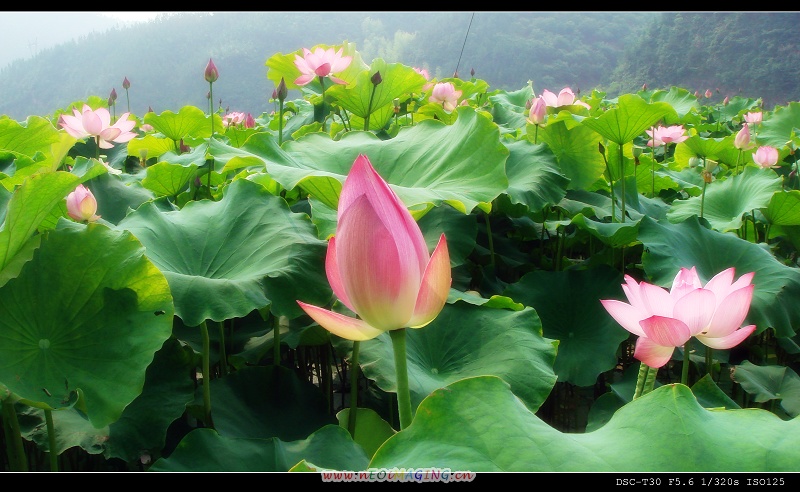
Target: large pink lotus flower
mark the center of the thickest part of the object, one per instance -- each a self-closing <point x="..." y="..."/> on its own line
<point x="663" y="135"/>
<point x="564" y="98"/>
<point x="663" y="320"/>
<point x="378" y="263"/>
<point x="766" y="157"/>
<point x="96" y="123"/>
<point x="321" y="63"/>
<point x="445" y="93"/>
<point x="81" y="204"/>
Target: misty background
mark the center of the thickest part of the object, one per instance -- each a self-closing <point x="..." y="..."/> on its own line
<point x="50" y="60"/>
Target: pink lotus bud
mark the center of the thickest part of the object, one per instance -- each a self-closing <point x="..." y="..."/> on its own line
<point x="376" y="78"/>
<point x="726" y="101"/>
<point x="81" y="205"/>
<point x="644" y="86"/>
<point x="282" y="91"/>
<point x="211" y="74"/>
<point x="472" y="72"/>
<point x="742" y="140"/>
<point x="113" y="96"/>
<point x="249" y="121"/>
<point x="708" y="93"/>
<point x="126" y="84"/>
<point x="538" y="112"/>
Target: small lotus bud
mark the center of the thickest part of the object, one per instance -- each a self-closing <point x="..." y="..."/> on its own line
<point x="113" y="96"/>
<point x="637" y="151"/>
<point x="249" y="121"/>
<point x="644" y="86"/>
<point x="275" y="93"/>
<point x="150" y="109"/>
<point x="126" y="84"/>
<point x="282" y="91"/>
<point x="376" y="78"/>
<point x="726" y="101"/>
<point x="528" y="104"/>
<point x="211" y="74"/>
<point x="184" y="147"/>
<point x="472" y="72"/>
<point x="708" y="93"/>
<point x="601" y="148"/>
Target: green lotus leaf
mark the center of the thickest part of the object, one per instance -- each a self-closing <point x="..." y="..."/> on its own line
<point x="727" y="201"/>
<point x="467" y="172"/>
<point x="615" y="234"/>
<point x="781" y="126"/>
<point x="784" y="208"/>
<point x="457" y="427"/>
<point x="508" y="108"/>
<point x="116" y="197"/>
<point x="576" y="152"/>
<point x="37" y="134"/>
<point x="204" y="449"/>
<point x="765" y="383"/>
<point x="167" y="179"/>
<point x="227" y="258"/>
<point x="668" y="247"/>
<point x="632" y="116"/>
<point x="108" y="310"/>
<point x="188" y="121"/>
<point x="588" y="338"/>
<point x="534" y="178"/>
<point x="697" y="146"/>
<point x="371" y="429"/>
<point x="464" y="341"/>
<point x="681" y="100"/>
<point x="151" y="146"/>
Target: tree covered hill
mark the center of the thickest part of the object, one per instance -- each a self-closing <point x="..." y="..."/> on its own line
<point x="751" y="54"/>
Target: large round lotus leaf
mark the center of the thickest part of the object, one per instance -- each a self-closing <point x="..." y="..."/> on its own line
<point x="204" y="450"/>
<point x="467" y="340"/>
<point x="139" y="430"/>
<point x="479" y="425"/>
<point x="668" y="247"/>
<point x="534" y="178"/>
<point x="267" y="401"/>
<point x="568" y="303"/>
<point x="224" y="259"/>
<point x="86" y="314"/>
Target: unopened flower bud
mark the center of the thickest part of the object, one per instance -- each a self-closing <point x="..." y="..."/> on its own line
<point x="472" y="72"/>
<point x="376" y="78"/>
<point x="211" y="74"/>
<point x="282" y="91"/>
<point x="126" y="84"/>
<point x="113" y="96"/>
<point x="644" y="86"/>
<point x="601" y="148"/>
<point x="708" y="93"/>
<point x="726" y="101"/>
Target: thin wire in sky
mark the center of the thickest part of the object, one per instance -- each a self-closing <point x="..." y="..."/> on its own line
<point x="465" y="43"/>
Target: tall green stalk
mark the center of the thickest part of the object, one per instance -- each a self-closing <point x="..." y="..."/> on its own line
<point x="685" y="367"/>
<point x="15" y="448"/>
<point x="206" y="371"/>
<point x="401" y="369"/>
<point x="645" y="381"/>
<point x="354" y="369"/>
<point x="52" y="451"/>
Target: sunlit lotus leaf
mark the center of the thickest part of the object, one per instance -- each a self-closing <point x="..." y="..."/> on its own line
<point x="586" y="203"/>
<point x="166" y="179"/>
<point x="151" y="146"/>
<point x="728" y="200"/>
<point x="227" y="258"/>
<point x="632" y="116"/>
<point x="365" y="98"/>
<point x="467" y="172"/>
<point x="668" y="247"/>
<point x="495" y="301"/>
<point x="711" y="440"/>
<point x="765" y="383"/>
<point x="784" y="208"/>
<point x="109" y="310"/>
<point x="781" y="126"/>
<point x="30" y="205"/>
<point x="371" y="430"/>
<point x="139" y="430"/>
<point x="188" y="121"/>
<point x="267" y="401"/>
<point x="588" y="337"/>
<point x="652" y="178"/>
<point x="37" y="134"/>
<point x="534" y="177"/>
<point x="680" y="99"/>
<point x="736" y="106"/>
<point x="204" y="449"/>
<point x="577" y="152"/>
<point x="280" y="65"/>
<point x="464" y="341"/>
<point x="710" y="148"/>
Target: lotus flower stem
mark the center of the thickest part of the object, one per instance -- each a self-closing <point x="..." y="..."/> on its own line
<point x="645" y="381"/>
<point x="491" y="240"/>
<point x="369" y="107"/>
<point x="280" y="123"/>
<point x="622" y="171"/>
<point x="14" y="445"/>
<point x="401" y="369"/>
<point x="703" y="199"/>
<point x="685" y="367"/>
<point x="51" y="440"/>
<point x="611" y="181"/>
<point x="354" y="369"/>
<point x="324" y="115"/>
<point x="709" y="361"/>
<point x="223" y="358"/>
<point x="206" y="375"/>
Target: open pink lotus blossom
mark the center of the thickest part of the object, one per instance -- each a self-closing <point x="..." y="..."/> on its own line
<point x="538" y="112"/>
<point x="321" y="63"/>
<point x="766" y="157"/>
<point x="445" y="93"/>
<point x="81" y="205"/>
<point x="96" y="123"/>
<point x="662" y="135"/>
<point x="378" y="263"/>
<point x="564" y="98"/>
<point x="663" y="320"/>
<point x="754" y="117"/>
